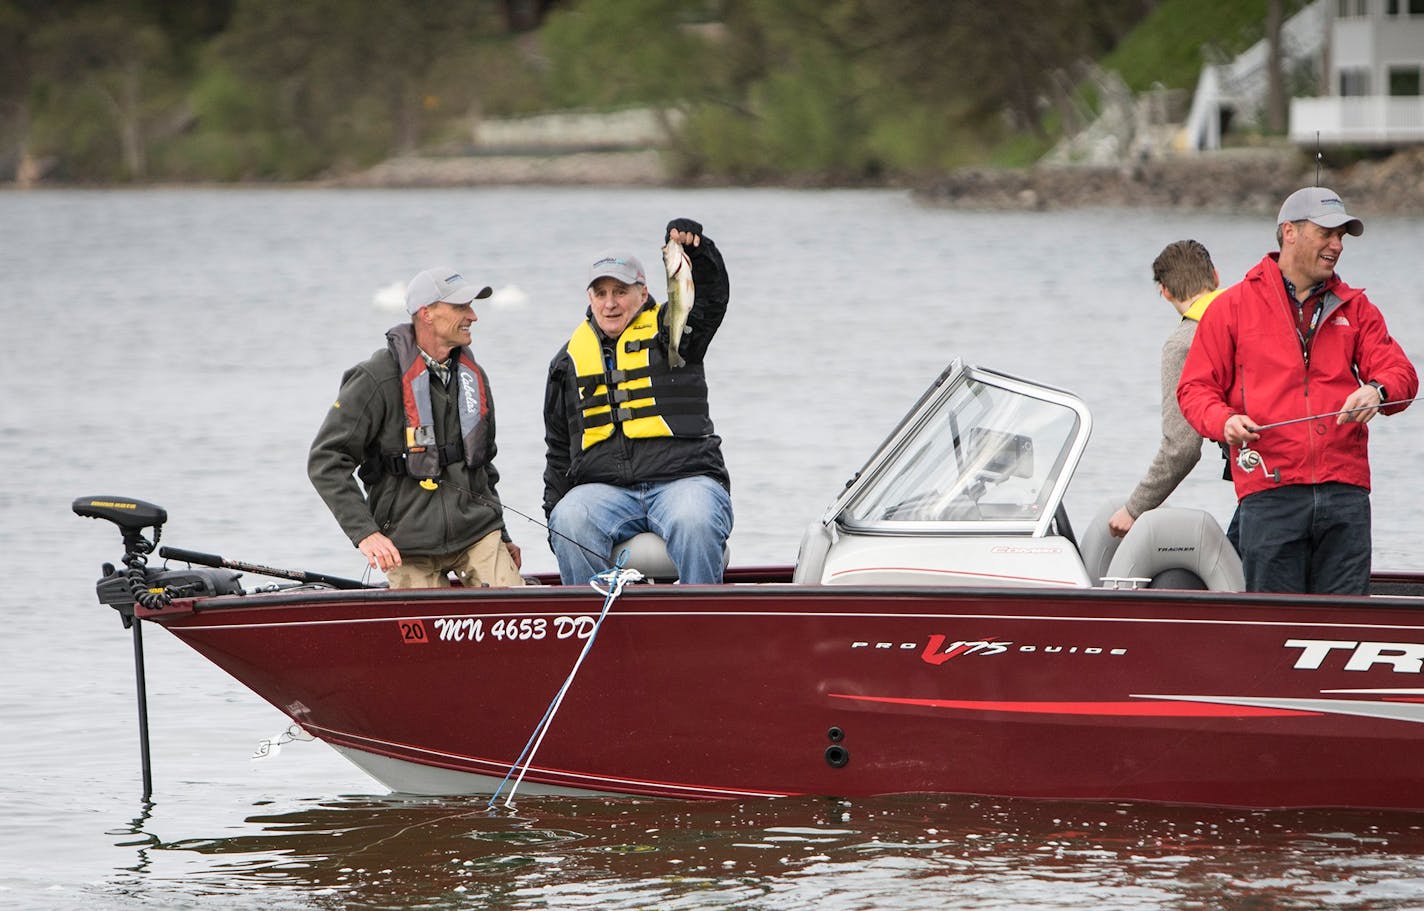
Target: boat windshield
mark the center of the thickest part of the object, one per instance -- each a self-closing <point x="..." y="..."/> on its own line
<point x="987" y="453"/>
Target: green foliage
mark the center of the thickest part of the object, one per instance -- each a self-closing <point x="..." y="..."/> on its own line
<point x="1168" y="46"/>
<point x="1018" y="150"/>
<point x="100" y="89"/>
<point x="607" y="53"/>
<point x="803" y="124"/>
<point x="342" y="84"/>
<point x="226" y="104"/>
<point x="75" y="128"/>
<point x="920" y="139"/>
<point x="800" y="90"/>
<point x="854" y="89"/>
<point x="723" y="141"/>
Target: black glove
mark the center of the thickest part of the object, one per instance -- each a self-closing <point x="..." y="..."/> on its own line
<point x="686" y="225"/>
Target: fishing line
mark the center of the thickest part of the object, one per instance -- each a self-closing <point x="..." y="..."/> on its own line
<point x="601" y="558"/>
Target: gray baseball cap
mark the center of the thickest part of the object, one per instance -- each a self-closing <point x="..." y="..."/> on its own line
<point x="441" y="285"/>
<point x="625" y="267"/>
<point x="1322" y="206"/>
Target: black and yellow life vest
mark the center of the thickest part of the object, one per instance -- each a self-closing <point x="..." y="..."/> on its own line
<point x="648" y="398"/>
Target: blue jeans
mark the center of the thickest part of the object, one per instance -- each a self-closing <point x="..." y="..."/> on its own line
<point x="1307" y="538"/>
<point x="693" y="515"/>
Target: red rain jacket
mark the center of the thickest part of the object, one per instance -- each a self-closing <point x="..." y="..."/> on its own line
<point x="1247" y="359"/>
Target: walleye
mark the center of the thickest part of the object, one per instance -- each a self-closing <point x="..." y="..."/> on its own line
<point x="679" y="297"/>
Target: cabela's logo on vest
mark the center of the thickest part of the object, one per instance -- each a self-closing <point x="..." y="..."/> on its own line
<point x="423" y="457"/>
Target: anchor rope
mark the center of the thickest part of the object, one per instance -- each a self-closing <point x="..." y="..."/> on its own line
<point x="271" y="746"/>
<point x="614" y="578"/>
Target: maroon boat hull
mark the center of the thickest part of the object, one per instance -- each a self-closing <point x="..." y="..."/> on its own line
<point x="774" y="689"/>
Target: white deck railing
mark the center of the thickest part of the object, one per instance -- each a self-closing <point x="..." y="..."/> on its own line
<point x="1364" y="120"/>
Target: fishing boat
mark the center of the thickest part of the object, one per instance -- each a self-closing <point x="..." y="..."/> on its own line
<point x="943" y="630"/>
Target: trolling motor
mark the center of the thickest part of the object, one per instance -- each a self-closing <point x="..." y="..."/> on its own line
<point x="138" y="583"/>
<point x="153" y="589"/>
<point x="134" y="585"/>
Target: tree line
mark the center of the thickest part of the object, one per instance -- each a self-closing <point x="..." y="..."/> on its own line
<point x="813" y="90"/>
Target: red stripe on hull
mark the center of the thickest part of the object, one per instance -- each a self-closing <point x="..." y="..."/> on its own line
<point x="1107" y="709"/>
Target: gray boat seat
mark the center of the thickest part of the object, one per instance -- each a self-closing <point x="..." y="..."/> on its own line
<point x="1097" y="545"/>
<point x="811" y="556"/>
<point x="1178" y="548"/>
<point x="647" y="553"/>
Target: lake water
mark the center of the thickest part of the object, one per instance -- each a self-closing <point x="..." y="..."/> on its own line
<point x="181" y="347"/>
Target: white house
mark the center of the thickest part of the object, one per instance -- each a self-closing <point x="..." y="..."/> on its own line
<point x="1234" y="92"/>
<point x="1374" y="64"/>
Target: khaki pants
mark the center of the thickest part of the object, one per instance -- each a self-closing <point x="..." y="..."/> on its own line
<point x="487" y="561"/>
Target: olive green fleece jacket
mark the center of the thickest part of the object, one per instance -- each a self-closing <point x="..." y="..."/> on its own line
<point x="366" y="423"/>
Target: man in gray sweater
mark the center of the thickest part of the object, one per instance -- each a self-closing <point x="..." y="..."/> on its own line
<point x="1188" y="281"/>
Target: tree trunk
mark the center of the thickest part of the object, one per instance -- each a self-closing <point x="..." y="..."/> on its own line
<point x="131" y="116"/>
<point x="1277" y="105"/>
<point x="124" y="109"/>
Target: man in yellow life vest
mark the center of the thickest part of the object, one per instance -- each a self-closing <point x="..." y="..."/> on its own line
<point x="629" y="437"/>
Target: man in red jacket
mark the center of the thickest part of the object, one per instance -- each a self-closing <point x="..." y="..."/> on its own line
<point x="1289" y="341"/>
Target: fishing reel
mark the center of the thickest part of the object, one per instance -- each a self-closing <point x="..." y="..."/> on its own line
<point x="1249" y="459"/>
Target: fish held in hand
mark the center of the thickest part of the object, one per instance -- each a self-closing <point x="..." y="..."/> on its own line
<point x="679" y="297"/>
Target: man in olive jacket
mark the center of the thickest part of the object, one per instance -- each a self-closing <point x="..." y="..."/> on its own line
<point x="416" y="423"/>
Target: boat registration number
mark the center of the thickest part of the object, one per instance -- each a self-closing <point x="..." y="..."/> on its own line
<point x="503" y="629"/>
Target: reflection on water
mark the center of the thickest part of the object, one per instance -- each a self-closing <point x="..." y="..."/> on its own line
<point x="903" y="852"/>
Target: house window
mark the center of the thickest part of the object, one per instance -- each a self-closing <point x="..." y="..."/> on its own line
<point x="1353" y="9"/>
<point x="1404" y="80"/>
<point x="1411" y="7"/>
<point x="1354" y="82"/>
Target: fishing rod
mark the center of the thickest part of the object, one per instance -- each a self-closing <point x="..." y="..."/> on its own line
<point x="1331" y="414"/>
<point x="1249" y="459"/>
<point x="193" y="556"/>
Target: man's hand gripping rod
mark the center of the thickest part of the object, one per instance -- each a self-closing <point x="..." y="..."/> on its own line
<point x="1249" y="459"/>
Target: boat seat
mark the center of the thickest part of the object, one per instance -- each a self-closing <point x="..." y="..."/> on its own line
<point x="1097" y="545"/>
<point x="1178" y="548"/>
<point x="647" y="553"/>
<point x="816" y="542"/>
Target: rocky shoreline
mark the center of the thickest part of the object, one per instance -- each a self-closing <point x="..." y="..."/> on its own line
<point x="1246" y="181"/>
<point x="639" y="167"/>
<point x="1250" y="181"/>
